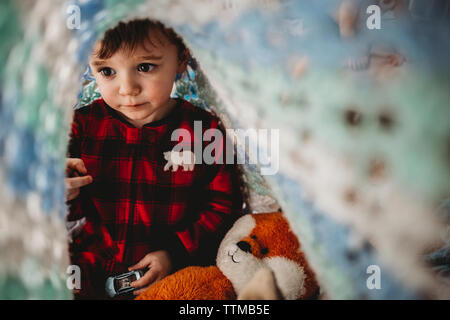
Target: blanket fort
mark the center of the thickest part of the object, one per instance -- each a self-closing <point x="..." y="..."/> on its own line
<point x="357" y="91"/>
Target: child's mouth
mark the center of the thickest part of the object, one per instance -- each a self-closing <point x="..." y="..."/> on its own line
<point x="134" y="105"/>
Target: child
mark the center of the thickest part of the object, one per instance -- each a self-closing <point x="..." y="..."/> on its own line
<point x="139" y="214"/>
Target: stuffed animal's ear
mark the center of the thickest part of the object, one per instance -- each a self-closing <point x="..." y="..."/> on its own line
<point x="261" y="287"/>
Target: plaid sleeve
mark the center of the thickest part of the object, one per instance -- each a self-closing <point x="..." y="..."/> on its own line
<point x="74" y="151"/>
<point x="80" y="116"/>
<point x="76" y="135"/>
<point x="91" y="247"/>
<point x="222" y="205"/>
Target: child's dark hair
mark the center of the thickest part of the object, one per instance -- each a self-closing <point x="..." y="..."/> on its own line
<point x="128" y="35"/>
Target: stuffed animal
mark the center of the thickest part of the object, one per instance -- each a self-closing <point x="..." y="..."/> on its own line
<point x="259" y="257"/>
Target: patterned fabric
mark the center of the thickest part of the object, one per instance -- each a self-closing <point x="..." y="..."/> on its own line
<point x="135" y="205"/>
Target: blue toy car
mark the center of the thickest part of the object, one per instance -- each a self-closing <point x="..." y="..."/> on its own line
<point x="121" y="284"/>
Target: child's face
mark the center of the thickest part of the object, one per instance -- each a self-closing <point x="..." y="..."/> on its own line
<point x="138" y="84"/>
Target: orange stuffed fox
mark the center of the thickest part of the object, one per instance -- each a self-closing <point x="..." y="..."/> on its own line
<point x="256" y="243"/>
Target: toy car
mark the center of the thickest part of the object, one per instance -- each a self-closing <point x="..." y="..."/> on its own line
<point x="121" y="284"/>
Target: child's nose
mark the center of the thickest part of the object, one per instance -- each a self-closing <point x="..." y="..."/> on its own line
<point x="129" y="87"/>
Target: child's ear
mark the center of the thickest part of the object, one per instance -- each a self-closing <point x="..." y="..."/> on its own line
<point x="183" y="61"/>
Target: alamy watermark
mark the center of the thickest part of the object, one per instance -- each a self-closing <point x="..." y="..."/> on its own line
<point x="73" y="281"/>
<point x="261" y="148"/>
<point x="292" y="26"/>
<point x="374" y="20"/>
<point x="374" y="280"/>
<point x="73" y="20"/>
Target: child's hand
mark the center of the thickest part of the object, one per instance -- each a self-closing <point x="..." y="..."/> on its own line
<point x="74" y="168"/>
<point x="159" y="265"/>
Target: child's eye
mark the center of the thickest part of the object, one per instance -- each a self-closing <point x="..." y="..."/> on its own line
<point x="145" y="67"/>
<point x="107" y="72"/>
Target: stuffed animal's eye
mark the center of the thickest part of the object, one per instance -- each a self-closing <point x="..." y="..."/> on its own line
<point x="264" y="251"/>
<point x="254" y="237"/>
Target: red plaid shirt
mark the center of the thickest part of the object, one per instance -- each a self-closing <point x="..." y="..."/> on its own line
<point x="133" y="206"/>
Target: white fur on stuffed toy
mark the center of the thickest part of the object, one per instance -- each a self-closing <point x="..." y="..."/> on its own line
<point x="259" y="253"/>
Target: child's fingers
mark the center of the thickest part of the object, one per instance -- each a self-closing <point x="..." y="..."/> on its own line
<point x="143" y="263"/>
<point x="76" y="164"/>
<point x="72" y="194"/>
<point x="78" y="182"/>
<point x="148" y="278"/>
<point x="138" y="292"/>
<point x="140" y="265"/>
<point x="79" y="165"/>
